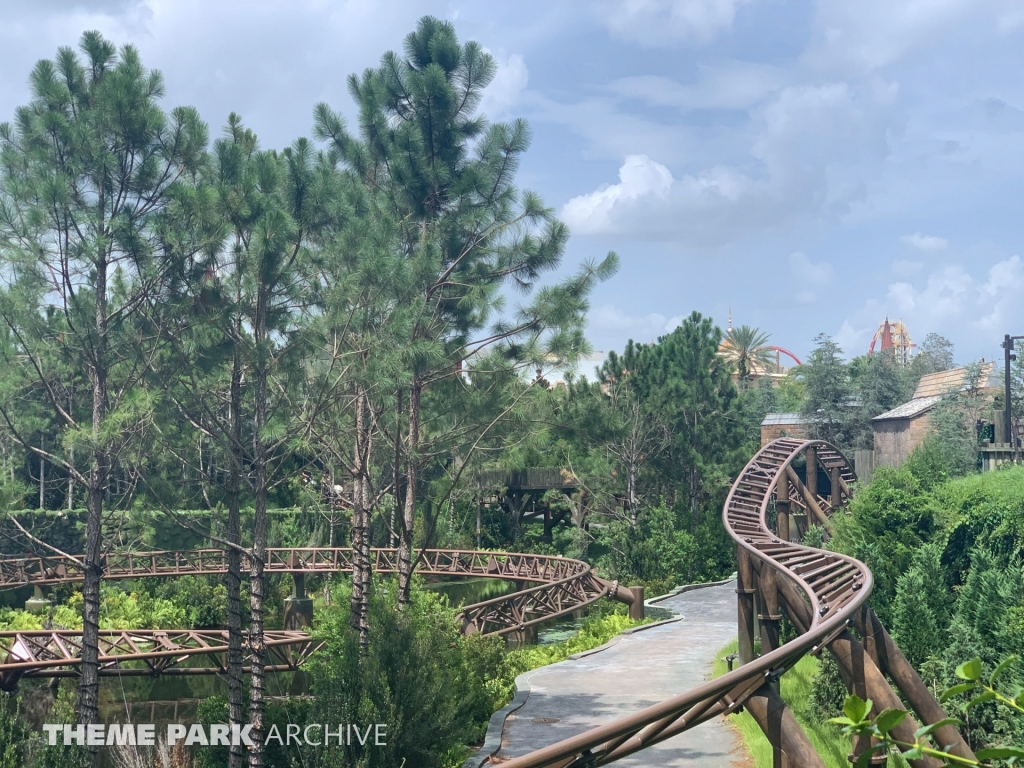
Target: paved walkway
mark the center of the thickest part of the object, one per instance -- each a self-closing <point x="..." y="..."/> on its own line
<point x="639" y="670"/>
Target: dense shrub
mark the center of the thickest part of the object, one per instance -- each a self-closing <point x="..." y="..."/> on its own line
<point x="888" y="521"/>
<point x="421" y="677"/>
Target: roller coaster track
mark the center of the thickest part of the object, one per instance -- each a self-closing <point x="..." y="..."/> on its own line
<point x="559" y="587"/>
<point x="823" y="593"/>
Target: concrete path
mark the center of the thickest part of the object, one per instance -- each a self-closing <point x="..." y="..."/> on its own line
<point x="639" y="670"/>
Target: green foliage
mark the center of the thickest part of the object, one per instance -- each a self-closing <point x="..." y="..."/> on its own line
<point x="888" y="521"/>
<point x="828" y="691"/>
<point x="14" y="733"/>
<point x="932" y="463"/>
<point x="654" y="552"/>
<point x="420" y="677"/>
<point x="953" y="421"/>
<point x="935" y="354"/>
<point x="747" y="349"/>
<point x="596" y="630"/>
<point x="882" y="385"/>
<point x="982" y="511"/>
<point x="829" y="401"/>
<point x="921" y="536"/>
<point x="920" y="611"/>
<point x="797" y="688"/>
<point x="978" y="689"/>
<point x="204" y="603"/>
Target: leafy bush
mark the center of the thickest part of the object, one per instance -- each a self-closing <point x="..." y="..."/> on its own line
<point x="888" y="521"/>
<point x="421" y="677"/>
<point x="14" y="733"/>
<point x="205" y="603"/>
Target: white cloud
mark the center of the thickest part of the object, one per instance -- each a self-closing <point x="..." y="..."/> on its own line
<point x="642" y="328"/>
<point x="666" y="22"/>
<point x="852" y="340"/>
<point x="809" y="275"/>
<point x="507" y="87"/>
<point x="951" y="301"/>
<point x="640" y="179"/>
<point x="1000" y="295"/>
<point x="727" y="84"/>
<point x="870" y="34"/>
<point x="820" y="273"/>
<point x="926" y="243"/>
<point x="814" y="147"/>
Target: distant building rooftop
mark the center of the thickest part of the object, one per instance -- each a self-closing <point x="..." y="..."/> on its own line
<point x="950" y="381"/>
<point x="774" y="419"/>
<point x="909" y="409"/>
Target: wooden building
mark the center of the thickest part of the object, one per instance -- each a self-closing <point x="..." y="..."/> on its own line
<point x="776" y="425"/>
<point x="901" y="430"/>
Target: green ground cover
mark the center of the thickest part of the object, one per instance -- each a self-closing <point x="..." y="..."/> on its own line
<point x="796" y="690"/>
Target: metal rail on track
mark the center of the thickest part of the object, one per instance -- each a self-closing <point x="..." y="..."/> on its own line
<point x="835" y="587"/>
<point x="560" y="586"/>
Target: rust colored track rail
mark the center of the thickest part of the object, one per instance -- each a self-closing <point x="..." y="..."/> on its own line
<point x="834" y="587"/>
<point x="560" y="586"/>
<point x="56" y="653"/>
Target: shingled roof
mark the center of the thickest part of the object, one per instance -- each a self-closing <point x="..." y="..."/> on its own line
<point x="909" y="409"/>
<point x="933" y="384"/>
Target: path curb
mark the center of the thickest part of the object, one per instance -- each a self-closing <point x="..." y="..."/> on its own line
<point x="496" y="726"/>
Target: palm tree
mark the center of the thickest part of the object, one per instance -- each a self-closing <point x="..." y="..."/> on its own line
<point x="747" y="348"/>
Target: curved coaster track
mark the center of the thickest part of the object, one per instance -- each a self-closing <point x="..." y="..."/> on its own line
<point x="552" y="587"/>
<point x="823" y="594"/>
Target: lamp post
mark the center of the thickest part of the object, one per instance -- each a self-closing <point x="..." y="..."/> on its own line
<point x="1009" y="357"/>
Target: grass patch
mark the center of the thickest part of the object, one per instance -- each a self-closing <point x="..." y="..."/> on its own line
<point x="796" y="692"/>
<point x="594" y="631"/>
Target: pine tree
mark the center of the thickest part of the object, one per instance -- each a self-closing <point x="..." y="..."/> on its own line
<point x="88" y="169"/>
<point x="829" y="395"/>
<point x="447" y="177"/>
<point x="915" y="627"/>
<point x="881" y="386"/>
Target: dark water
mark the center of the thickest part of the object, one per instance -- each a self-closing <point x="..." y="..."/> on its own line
<point x="469" y="591"/>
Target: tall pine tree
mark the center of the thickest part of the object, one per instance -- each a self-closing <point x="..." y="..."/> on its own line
<point x="88" y="169"/>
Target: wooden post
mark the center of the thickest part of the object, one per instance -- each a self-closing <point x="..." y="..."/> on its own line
<point x="891" y="661"/>
<point x="298" y="609"/>
<point x="790" y="746"/>
<point x="811" y="501"/>
<point x="769" y="615"/>
<point x="845" y="649"/>
<point x="811" y="472"/>
<point x="782" y="506"/>
<point x="837" y="491"/>
<point x="636" y="608"/>
<point x="744" y="606"/>
<point x="478" y="527"/>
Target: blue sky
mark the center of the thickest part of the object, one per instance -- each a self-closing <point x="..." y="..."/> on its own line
<point x="815" y="166"/>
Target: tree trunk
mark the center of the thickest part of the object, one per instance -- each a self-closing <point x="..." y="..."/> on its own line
<point x="631" y="492"/>
<point x="88" y="690"/>
<point x="366" y="569"/>
<point x="359" y="606"/>
<point x="257" y="649"/>
<point x="42" y="473"/>
<point x="396" y="495"/>
<point x="236" y="754"/>
<point x="71" y="477"/>
<point x="405" y="561"/>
